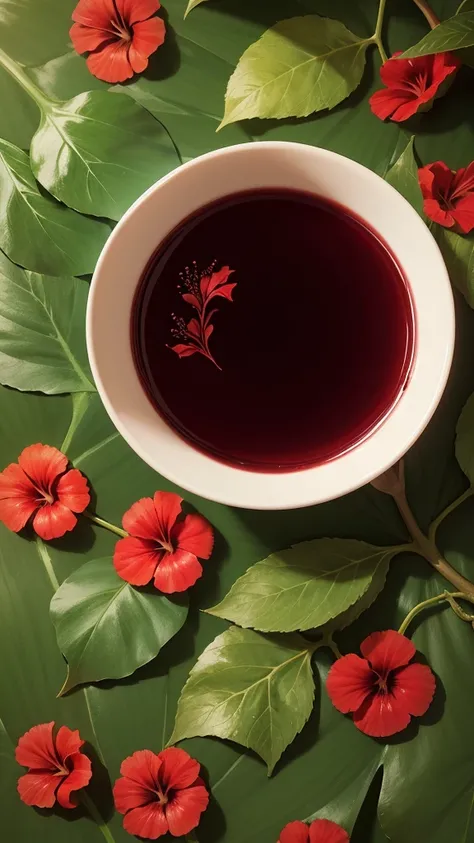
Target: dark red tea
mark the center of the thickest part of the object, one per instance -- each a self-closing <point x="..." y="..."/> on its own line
<point x="273" y="329"/>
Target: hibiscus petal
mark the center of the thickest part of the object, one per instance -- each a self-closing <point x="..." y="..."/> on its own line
<point x="136" y="10"/>
<point x="402" y="73"/>
<point x="141" y="520"/>
<point x="177" y="572"/>
<point x="53" y="520"/>
<point x="36" y="750"/>
<point x="67" y="742"/>
<point x="349" y="682"/>
<point x="409" y="108"/>
<point x="18" y="497"/>
<point x="142" y="767"/>
<point x="384" y="103"/>
<point x="128" y="794"/>
<point x="148" y="822"/>
<point x="295" y="832"/>
<point x="79" y="777"/>
<point x="195" y="535"/>
<point x="97" y="14"/>
<point x="463" y="213"/>
<point x="135" y="560"/>
<point x="325" y="831"/>
<point x="184" y="809"/>
<point x="110" y="63"/>
<point x="85" y="39"/>
<point x="381" y="715"/>
<point x="387" y="650"/>
<point x="147" y="37"/>
<point x="167" y="508"/>
<point x="463" y="181"/>
<point x="38" y="789"/>
<point x="414" y="687"/>
<point x="178" y="769"/>
<point x="435" y="212"/>
<point x="72" y="490"/>
<point x="43" y="464"/>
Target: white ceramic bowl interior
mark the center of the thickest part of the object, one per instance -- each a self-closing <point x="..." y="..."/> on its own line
<point x="159" y="211"/>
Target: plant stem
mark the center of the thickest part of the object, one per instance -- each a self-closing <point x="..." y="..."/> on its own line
<point x="432" y="601"/>
<point x="15" y="70"/>
<point x="427" y="12"/>
<point x="96" y="816"/>
<point x="427" y="548"/>
<point x="452" y="506"/>
<point x="101" y="522"/>
<point x="377" y="36"/>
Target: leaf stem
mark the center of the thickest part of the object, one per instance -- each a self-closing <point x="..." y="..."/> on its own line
<point x="427" y="12"/>
<point x="101" y="522"/>
<point x="432" y="601"/>
<point x="48" y="565"/>
<point x="91" y="807"/>
<point x="377" y="36"/>
<point x="427" y="548"/>
<point x="452" y="506"/>
<point x="16" y="70"/>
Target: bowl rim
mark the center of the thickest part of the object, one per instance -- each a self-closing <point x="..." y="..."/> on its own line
<point x="244" y="488"/>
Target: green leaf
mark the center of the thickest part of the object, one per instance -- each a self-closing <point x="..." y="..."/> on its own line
<point x="299" y="66"/>
<point x="465" y="439"/>
<point x="305" y="586"/>
<point x="98" y="152"/>
<point x="59" y="240"/>
<point x="248" y="688"/>
<point x="458" y="253"/>
<point x="105" y="628"/>
<point x="192" y="5"/>
<point x="42" y="342"/>
<point x="403" y="176"/>
<point x="453" y="34"/>
<point x="428" y="784"/>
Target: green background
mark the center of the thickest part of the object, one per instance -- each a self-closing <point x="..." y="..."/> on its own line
<point x="425" y="789"/>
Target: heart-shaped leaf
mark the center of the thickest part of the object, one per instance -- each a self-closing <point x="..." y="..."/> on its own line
<point x="98" y="152"/>
<point x="403" y="176"/>
<point x="42" y="342"/>
<point x="106" y="628"/>
<point x="455" y="33"/>
<point x="252" y="689"/>
<point x="305" y="586"/>
<point x="465" y="439"/>
<point x="59" y="240"/>
<point x="299" y="66"/>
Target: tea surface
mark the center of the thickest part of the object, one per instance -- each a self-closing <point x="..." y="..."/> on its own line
<point x="273" y="329"/>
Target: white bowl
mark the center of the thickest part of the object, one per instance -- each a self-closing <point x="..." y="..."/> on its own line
<point x="158" y="212"/>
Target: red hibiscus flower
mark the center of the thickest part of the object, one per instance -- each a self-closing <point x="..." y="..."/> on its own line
<point x="382" y="690"/>
<point x="160" y="546"/>
<point x="160" y="793"/>
<point x="119" y="36"/>
<point x="40" y="484"/>
<point x="412" y="84"/>
<point x="320" y="831"/>
<point x="448" y="195"/>
<point x="56" y="766"/>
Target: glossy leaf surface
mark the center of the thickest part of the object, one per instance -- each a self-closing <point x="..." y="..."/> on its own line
<point x="35" y="230"/>
<point x="105" y="628"/>
<point x="42" y="342"/>
<point x="305" y="586"/>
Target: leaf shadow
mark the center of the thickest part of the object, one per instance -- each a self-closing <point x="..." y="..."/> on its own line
<point x="367" y="818"/>
<point x="166" y="61"/>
